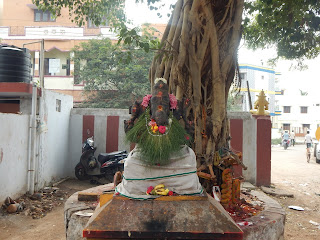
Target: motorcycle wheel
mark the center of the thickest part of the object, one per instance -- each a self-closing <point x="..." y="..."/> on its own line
<point x="80" y="172"/>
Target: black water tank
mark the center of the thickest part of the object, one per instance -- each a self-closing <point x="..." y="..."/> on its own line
<point x="15" y="64"/>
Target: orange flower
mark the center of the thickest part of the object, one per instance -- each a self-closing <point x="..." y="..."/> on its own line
<point x="154" y="128"/>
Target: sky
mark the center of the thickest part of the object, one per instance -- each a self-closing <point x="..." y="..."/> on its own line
<point x="140" y="13"/>
<point x="293" y="80"/>
<point x="290" y="79"/>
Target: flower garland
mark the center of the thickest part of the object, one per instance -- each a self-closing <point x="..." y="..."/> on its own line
<point x="155" y="129"/>
<point x="172" y="98"/>
<point x="151" y="122"/>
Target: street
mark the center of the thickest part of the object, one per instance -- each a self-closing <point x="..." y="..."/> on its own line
<point x="291" y="172"/>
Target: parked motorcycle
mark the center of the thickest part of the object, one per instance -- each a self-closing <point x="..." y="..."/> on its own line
<point x="106" y="165"/>
<point x="285" y="143"/>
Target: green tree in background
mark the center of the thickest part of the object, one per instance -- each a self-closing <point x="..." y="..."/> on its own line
<point x="109" y="80"/>
<point x="234" y="103"/>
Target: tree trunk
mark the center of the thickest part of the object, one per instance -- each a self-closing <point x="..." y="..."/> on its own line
<point x="199" y="60"/>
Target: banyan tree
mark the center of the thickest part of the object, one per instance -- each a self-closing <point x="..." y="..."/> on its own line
<point x="198" y="53"/>
<point x="199" y="60"/>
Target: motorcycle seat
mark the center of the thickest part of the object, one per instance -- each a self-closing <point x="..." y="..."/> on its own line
<point x="103" y="157"/>
<point x="113" y="153"/>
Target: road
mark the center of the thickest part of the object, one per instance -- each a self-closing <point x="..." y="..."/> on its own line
<point x="291" y="172"/>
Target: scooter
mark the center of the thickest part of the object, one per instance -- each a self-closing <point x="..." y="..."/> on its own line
<point x="286" y="143"/>
<point x="106" y="165"/>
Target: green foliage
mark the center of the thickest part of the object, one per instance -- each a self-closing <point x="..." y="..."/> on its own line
<point x="155" y="147"/>
<point x="234" y="103"/>
<point x="292" y="26"/>
<point x="82" y="10"/>
<point x="95" y="10"/>
<point x="110" y="79"/>
<point x="303" y="93"/>
<point x="276" y="141"/>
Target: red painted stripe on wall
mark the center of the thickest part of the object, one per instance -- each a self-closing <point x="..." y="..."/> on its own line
<point x="263" y="151"/>
<point x="236" y="133"/>
<point x="87" y="127"/>
<point x="112" y="133"/>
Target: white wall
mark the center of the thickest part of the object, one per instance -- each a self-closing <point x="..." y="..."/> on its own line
<point x="52" y="161"/>
<point x="249" y="144"/>
<point x="54" y="139"/>
<point x="60" y="33"/>
<point x="65" y="83"/>
<point x="14" y="132"/>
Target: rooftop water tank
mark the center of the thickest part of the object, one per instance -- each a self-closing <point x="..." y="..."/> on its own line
<point x="15" y="64"/>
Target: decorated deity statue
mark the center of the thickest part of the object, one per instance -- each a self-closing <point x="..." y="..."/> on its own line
<point x="162" y="162"/>
<point x="155" y="130"/>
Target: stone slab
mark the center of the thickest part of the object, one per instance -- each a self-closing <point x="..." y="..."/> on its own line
<point x="276" y="192"/>
<point x="74" y="222"/>
<point x="248" y="185"/>
<point x="269" y="224"/>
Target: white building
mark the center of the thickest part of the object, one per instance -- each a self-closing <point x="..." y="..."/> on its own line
<point x="298" y="112"/>
<point x="257" y="78"/>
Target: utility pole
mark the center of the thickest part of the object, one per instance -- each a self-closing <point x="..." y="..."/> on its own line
<point x="41" y="63"/>
<point x="33" y="156"/>
<point x="249" y="96"/>
<point x="41" y="75"/>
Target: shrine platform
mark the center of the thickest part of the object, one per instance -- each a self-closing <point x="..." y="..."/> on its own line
<point x="101" y="215"/>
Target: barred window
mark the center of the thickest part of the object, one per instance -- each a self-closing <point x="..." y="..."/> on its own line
<point x="304" y="109"/>
<point x="41" y="16"/>
<point x="286" y="109"/>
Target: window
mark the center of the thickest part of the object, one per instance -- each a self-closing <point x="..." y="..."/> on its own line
<point x="46" y="66"/>
<point x="286" y="126"/>
<point x="40" y="16"/>
<point x="58" y="105"/>
<point x="303" y="109"/>
<point x="306" y="126"/>
<point x="243" y="76"/>
<point x="90" y="23"/>
<point x="286" y="109"/>
<point x="51" y="66"/>
<point x="68" y="67"/>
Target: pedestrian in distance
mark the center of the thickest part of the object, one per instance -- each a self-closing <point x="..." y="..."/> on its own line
<point x="293" y="138"/>
<point x="308" y="141"/>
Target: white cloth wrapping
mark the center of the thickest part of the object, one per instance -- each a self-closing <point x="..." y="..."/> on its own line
<point x="179" y="176"/>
